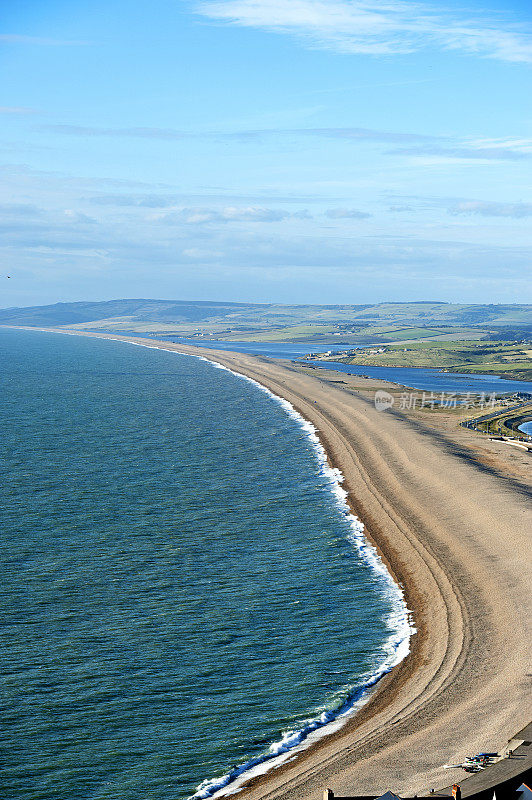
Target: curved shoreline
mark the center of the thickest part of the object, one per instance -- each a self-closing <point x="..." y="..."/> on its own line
<point x="453" y="537"/>
<point x="296" y="741"/>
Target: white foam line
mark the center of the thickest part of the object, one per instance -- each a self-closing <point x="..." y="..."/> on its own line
<point x="399" y="620"/>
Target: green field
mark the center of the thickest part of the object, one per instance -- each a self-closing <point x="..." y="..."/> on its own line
<point x="335" y="335"/>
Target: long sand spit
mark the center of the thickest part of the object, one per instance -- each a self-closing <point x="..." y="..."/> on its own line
<point x="456" y="536"/>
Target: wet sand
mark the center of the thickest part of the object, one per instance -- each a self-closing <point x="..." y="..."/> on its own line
<point x="456" y="535"/>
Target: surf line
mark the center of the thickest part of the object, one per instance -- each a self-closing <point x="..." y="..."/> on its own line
<point x="399" y="620"/>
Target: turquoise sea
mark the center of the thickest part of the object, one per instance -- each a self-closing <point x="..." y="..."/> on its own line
<point x="184" y="594"/>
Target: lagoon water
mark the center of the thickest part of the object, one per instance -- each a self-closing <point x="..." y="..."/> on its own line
<point x="182" y="586"/>
<point x="434" y="380"/>
<point x="428" y="380"/>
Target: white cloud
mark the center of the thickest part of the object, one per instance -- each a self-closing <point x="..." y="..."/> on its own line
<point x="200" y="216"/>
<point x="409" y="144"/>
<point x="462" y="152"/>
<point x="523" y="146"/>
<point x="77" y="216"/>
<point x="374" y="27"/>
<point x="19" y="210"/>
<point x="201" y="254"/>
<point x="16" y="110"/>
<point x="346" y="213"/>
<point x="463" y="206"/>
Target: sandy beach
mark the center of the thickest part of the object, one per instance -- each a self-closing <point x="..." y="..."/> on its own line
<point x="455" y="533"/>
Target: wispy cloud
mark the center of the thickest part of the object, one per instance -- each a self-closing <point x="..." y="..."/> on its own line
<point x="376" y="28"/>
<point x="171" y="134"/>
<point x="17" y="110"/>
<point x="136" y="200"/>
<point x="346" y="213"/>
<point x="363" y="135"/>
<point x="408" y="143"/>
<point x="16" y="38"/>
<point x="19" y="210"/>
<point x="491" y="209"/>
<point x="468" y="153"/>
<point x="201" y="216"/>
<point x="76" y="217"/>
<point x="150" y="200"/>
<point x="135" y="132"/>
<point x="461" y="206"/>
<point x="123" y="247"/>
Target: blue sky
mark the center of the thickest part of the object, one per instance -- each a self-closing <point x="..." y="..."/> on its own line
<point x="313" y="151"/>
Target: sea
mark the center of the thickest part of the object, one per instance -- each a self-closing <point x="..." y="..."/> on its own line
<point x="186" y="598"/>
